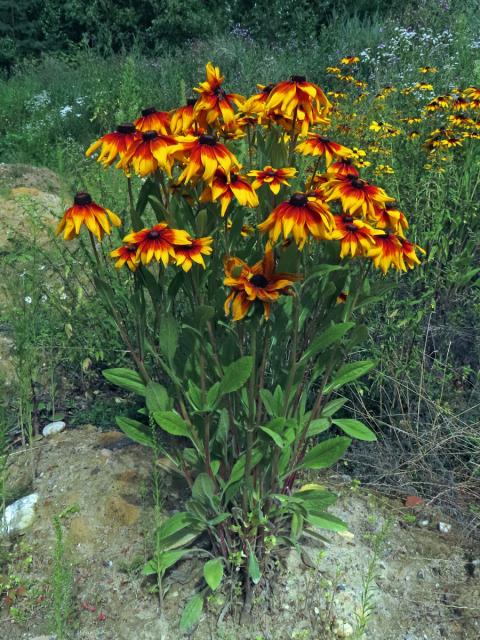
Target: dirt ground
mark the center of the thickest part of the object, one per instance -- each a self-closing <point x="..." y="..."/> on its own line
<point x="424" y="583"/>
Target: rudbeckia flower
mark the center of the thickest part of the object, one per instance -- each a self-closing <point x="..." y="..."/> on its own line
<point x="159" y="242"/>
<point x="186" y="255"/>
<point x="301" y="98"/>
<point x="317" y="145"/>
<point x="459" y="104"/>
<point x="113" y="144"/>
<point x="409" y="254"/>
<point x="213" y="102"/>
<point x="126" y="254"/>
<point x="274" y="178"/>
<point x="387" y="252"/>
<point x="350" y="60"/>
<point x="344" y="167"/>
<point x="203" y="155"/>
<point x="97" y="219"/>
<point x="256" y="103"/>
<point x="300" y="216"/>
<point x="149" y="151"/>
<point x="153" y="120"/>
<point x="424" y="86"/>
<point x="355" y="194"/>
<point x="356" y="236"/>
<point x="259" y="282"/>
<point x="390" y="217"/>
<point x="225" y="188"/>
<point x="428" y="69"/>
<point x="181" y="119"/>
<point x="472" y="92"/>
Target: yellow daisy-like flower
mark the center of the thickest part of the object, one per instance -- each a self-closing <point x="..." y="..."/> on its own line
<point x="126" y="254"/>
<point x="356" y="236"/>
<point x="203" y="156"/>
<point x="159" y="242"/>
<point x="302" y="216"/>
<point x="274" y="178"/>
<point x="350" y="60"/>
<point x="113" y="144"/>
<point x="225" y="188"/>
<point x="357" y="196"/>
<point x="84" y="211"/>
<point x="317" y="145"/>
<point x="186" y="255"/>
<point x="213" y="103"/>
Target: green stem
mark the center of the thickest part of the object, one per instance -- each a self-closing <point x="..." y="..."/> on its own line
<point x="251" y="425"/>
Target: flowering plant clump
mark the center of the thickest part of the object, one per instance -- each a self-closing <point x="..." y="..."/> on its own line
<point x="245" y="258"/>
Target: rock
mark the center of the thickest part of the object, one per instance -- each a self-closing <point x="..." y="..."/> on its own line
<point x="444" y="527"/>
<point x="109" y="438"/>
<point x="19" y="515"/>
<point x="424" y="522"/>
<point x="413" y="501"/>
<point x="53" y="427"/>
<point x="343" y="629"/>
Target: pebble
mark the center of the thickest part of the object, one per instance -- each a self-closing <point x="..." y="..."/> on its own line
<point x="53" y="427"/>
<point x="106" y="453"/>
<point x="19" y="515"/>
<point x="423" y="523"/>
<point x="444" y="527"/>
<point x="341" y="587"/>
<point x="421" y="575"/>
<point x="343" y="629"/>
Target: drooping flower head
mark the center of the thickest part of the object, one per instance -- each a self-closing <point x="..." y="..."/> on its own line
<point x="256" y="104"/>
<point x="182" y="119"/>
<point x="149" y="151"/>
<point x="113" y="144"/>
<point x="387" y="252"/>
<point x="159" y="242"/>
<point x="274" y="178"/>
<point x="225" y="188"/>
<point x="213" y="103"/>
<point x="302" y="216"/>
<point x="317" y="145"/>
<point x="356" y="237"/>
<point x="84" y="211"/>
<point x="391" y="218"/>
<point x="186" y="255"/>
<point x="357" y="196"/>
<point x="259" y="282"/>
<point x="203" y="155"/>
<point x="299" y="99"/>
<point x="153" y="120"/>
<point x="126" y="254"/>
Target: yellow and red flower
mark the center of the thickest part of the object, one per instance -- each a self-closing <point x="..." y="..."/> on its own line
<point x="113" y="144"/>
<point x="409" y="254"/>
<point x="257" y="102"/>
<point x="472" y="92"/>
<point x="126" y="254"/>
<point x="387" y="252"/>
<point x="97" y="219"/>
<point x="317" y="145"/>
<point x="301" y="216"/>
<point x="300" y="100"/>
<point x="344" y="167"/>
<point x="159" y="242"/>
<point x="259" y="282"/>
<point x="182" y="119"/>
<point x="274" y="178"/>
<point x="355" y="194"/>
<point x="203" y="156"/>
<point x="224" y="188"/>
<point x="349" y="60"/>
<point x="149" y="151"/>
<point x="356" y="237"/>
<point x="186" y="255"/>
<point x="153" y="120"/>
<point x="213" y="102"/>
<point x="390" y="217"/>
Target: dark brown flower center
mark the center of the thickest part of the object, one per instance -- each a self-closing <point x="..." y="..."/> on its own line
<point x="191" y="102"/>
<point x="268" y="88"/>
<point x="259" y="281"/>
<point x="324" y="140"/>
<point x="210" y="140"/>
<point x="126" y="127"/>
<point x="391" y="205"/>
<point x="148" y="111"/>
<point x="298" y="78"/>
<point x="149" y="135"/>
<point x="351" y="227"/>
<point x="132" y="248"/>
<point x="298" y="200"/>
<point x="154" y="234"/>
<point x="357" y="183"/>
<point x="347" y="219"/>
<point x="82" y="198"/>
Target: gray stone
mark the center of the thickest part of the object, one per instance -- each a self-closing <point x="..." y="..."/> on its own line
<point x="19" y="515"/>
<point x="444" y="527"/>
<point x="53" y="427"/>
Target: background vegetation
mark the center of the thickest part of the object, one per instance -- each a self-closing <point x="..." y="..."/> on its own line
<point x="69" y="75"/>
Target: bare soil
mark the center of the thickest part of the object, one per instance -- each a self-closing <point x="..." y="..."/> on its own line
<point x="425" y="585"/>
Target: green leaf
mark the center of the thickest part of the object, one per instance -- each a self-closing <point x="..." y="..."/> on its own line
<point x="236" y="375"/>
<point x="168" y="337"/>
<point x="133" y="429"/>
<point x="126" y="379"/>
<point x="327" y="521"/>
<point x="355" y="429"/>
<point x="164" y="561"/>
<point x="326" y="339"/>
<point x="253" y="566"/>
<point x="203" y="313"/>
<point x="213" y="573"/>
<point x="192" y="612"/>
<point x="268" y="402"/>
<point x="213" y="394"/>
<point x="274" y="436"/>
<point x="203" y="488"/>
<point x="178" y="530"/>
<point x="322" y="270"/>
<point x="318" y="426"/>
<point x="326" y="453"/>
<point x="332" y="407"/>
<point x="156" y="397"/>
<point x="172" y="423"/>
<point x="348" y="373"/>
